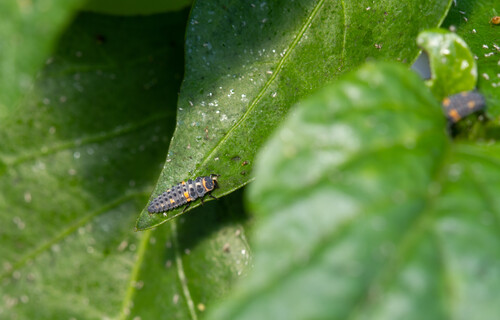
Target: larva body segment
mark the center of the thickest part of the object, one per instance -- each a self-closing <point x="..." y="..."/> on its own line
<point x="183" y="193"/>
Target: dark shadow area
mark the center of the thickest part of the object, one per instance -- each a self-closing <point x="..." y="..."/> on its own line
<point x="103" y="110"/>
<point x="204" y="220"/>
<point x="94" y="132"/>
<point x="119" y="80"/>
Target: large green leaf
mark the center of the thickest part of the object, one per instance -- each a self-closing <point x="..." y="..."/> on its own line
<point x="246" y="64"/>
<point x="80" y="157"/>
<point x="367" y="210"/>
<point x="28" y="30"/>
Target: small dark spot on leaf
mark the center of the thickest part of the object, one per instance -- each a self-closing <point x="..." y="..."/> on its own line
<point x="100" y="39"/>
<point x="235" y="158"/>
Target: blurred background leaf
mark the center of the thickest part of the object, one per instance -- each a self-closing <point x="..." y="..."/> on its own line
<point x="81" y="154"/>
<point x="28" y="31"/>
<point x="133" y="7"/>
<point x="452" y="64"/>
<point x="366" y="209"/>
<point x="246" y="64"/>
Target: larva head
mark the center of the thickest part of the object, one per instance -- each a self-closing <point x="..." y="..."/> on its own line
<point x="210" y="182"/>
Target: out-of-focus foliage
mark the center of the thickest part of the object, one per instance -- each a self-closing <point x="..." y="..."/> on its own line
<point x="28" y="32"/>
<point x="452" y="64"/>
<point x="79" y="156"/>
<point x="85" y="137"/>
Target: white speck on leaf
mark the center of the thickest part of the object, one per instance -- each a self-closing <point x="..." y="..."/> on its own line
<point x="445" y="51"/>
<point x="27" y="197"/>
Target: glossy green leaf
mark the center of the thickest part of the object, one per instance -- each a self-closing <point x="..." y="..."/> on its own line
<point x="28" y="30"/>
<point x="366" y="209"/>
<point x="247" y="63"/>
<point x="471" y="19"/>
<point x="453" y="68"/>
<point x="80" y="156"/>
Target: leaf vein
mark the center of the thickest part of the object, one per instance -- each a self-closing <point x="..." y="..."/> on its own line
<point x="69" y="230"/>
<point x="344" y="42"/>
<point x="122" y="130"/>
<point x="131" y="287"/>
<point x="180" y="272"/>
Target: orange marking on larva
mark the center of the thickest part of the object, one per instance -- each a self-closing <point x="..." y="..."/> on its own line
<point x="183" y="183"/>
<point x="172" y="201"/>
<point x="186" y="195"/>
<point x="446" y="102"/>
<point x="454" y="114"/>
<point x="471" y="104"/>
<point x="204" y="185"/>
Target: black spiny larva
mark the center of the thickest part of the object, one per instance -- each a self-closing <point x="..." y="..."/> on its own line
<point x="184" y="193"/>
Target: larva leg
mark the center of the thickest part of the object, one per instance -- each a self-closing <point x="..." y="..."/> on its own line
<point x="213" y="197"/>
<point x="187" y="206"/>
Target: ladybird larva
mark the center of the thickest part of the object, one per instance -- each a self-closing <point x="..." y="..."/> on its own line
<point x="462" y="104"/>
<point x="183" y="193"/>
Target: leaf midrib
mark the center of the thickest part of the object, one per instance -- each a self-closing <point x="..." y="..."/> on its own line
<point x="180" y="272"/>
<point x="263" y="90"/>
<point x="386" y="270"/>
